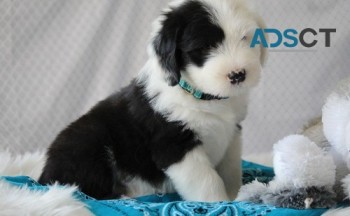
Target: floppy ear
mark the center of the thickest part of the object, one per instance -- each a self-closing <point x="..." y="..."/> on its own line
<point x="166" y="47"/>
<point x="263" y="50"/>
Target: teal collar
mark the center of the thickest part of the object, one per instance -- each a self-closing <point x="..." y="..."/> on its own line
<point x="197" y="93"/>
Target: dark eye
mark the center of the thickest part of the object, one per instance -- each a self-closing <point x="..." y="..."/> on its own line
<point x="244" y="38"/>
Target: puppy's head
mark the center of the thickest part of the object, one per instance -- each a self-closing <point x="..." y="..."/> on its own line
<point x="207" y="43"/>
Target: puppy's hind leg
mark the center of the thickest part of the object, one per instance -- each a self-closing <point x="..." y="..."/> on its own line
<point x="195" y="179"/>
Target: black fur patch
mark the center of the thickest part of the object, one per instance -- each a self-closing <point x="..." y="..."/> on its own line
<point x="120" y="138"/>
<point x="187" y="36"/>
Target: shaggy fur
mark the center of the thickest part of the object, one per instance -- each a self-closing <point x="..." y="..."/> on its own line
<point x="336" y="127"/>
<point x="301" y="163"/>
<point x="153" y="133"/>
<point x="57" y="201"/>
<point x="29" y="164"/>
<point x="22" y="201"/>
<point x="314" y="131"/>
<point x="336" y="120"/>
<point x="301" y="198"/>
<point x="304" y="177"/>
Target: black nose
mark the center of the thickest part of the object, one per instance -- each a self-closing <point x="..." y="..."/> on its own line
<point x="237" y="76"/>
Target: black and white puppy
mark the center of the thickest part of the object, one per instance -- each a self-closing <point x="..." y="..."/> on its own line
<point x="176" y="126"/>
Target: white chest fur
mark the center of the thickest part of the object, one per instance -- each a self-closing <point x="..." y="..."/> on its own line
<point x="216" y="135"/>
<point x="214" y="123"/>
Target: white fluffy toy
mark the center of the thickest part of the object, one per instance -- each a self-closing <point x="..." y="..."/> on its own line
<point x="336" y="121"/>
<point x="304" y="177"/>
<point x="336" y="128"/>
<point x="332" y="133"/>
<point x="310" y="168"/>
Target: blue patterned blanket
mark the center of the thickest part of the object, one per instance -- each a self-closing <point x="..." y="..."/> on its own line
<point x="171" y="204"/>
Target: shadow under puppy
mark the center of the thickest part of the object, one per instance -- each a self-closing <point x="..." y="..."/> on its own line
<point x="176" y="126"/>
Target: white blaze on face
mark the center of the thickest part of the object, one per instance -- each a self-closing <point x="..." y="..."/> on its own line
<point x="234" y="54"/>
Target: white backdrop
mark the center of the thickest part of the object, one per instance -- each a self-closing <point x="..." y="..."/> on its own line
<point x="59" y="57"/>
